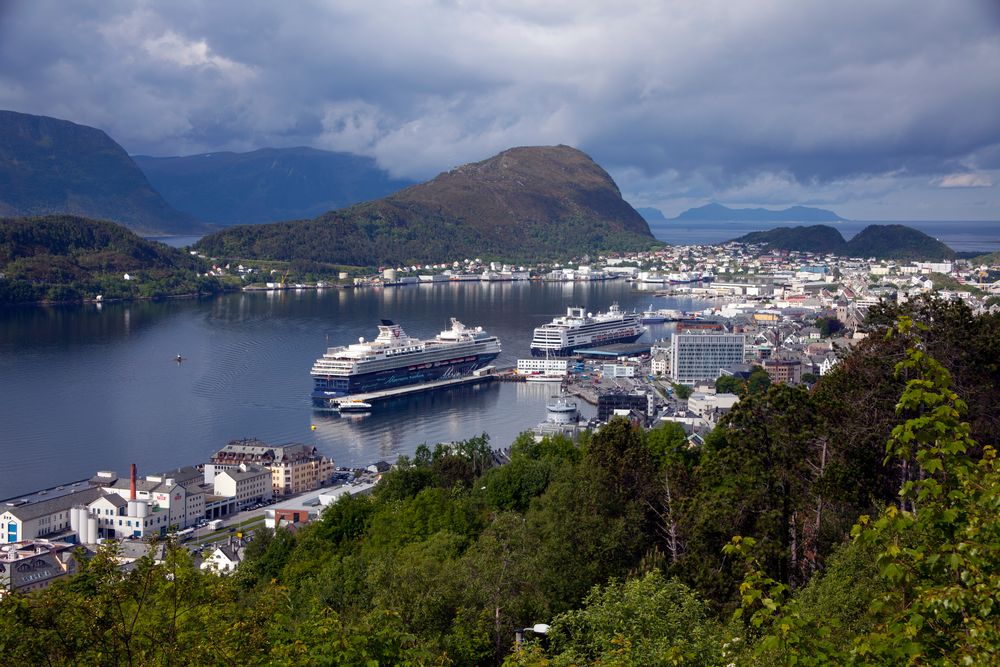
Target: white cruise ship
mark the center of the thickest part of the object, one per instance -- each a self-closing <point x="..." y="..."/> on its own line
<point x="578" y="328"/>
<point x="394" y="359"/>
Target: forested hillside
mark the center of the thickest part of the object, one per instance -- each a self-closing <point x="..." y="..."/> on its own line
<point x="527" y="203"/>
<point x="854" y="523"/>
<point x="879" y="241"/>
<point x="64" y="258"/>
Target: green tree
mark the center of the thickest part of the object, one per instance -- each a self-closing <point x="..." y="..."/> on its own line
<point x="643" y="621"/>
<point x="730" y="384"/>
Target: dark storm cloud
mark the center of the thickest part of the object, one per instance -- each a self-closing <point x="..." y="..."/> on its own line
<point x="771" y="100"/>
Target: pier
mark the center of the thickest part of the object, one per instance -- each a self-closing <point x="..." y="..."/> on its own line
<point x="409" y="390"/>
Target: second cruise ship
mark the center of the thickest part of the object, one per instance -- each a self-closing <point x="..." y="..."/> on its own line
<point x="578" y="328"/>
<point x="394" y="359"/>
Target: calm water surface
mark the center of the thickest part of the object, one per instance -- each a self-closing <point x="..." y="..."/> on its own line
<point x="85" y="388"/>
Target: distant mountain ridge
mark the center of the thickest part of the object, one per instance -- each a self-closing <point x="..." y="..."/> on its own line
<point x="524" y="203"/>
<point x="53" y="166"/>
<point x="651" y="215"/>
<point x="267" y="185"/>
<point x="719" y="213"/>
<point x="879" y="241"/>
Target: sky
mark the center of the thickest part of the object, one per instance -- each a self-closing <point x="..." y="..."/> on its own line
<point x="877" y="109"/>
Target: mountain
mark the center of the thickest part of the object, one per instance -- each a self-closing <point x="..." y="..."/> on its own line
<point x="817" y="238"/>
<point x="897" y="242"/>
<point x="525" y="203"/>
<point x="720" y="213"/>
<point x="266" y="185"/>
<point x="879" y="241"/>
<point x="68" y="258"/>
<point x="651" y="215"/>
<point x="49" y="165"/>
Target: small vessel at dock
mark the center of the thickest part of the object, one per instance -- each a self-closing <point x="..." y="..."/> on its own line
<point x="354" y="406"/>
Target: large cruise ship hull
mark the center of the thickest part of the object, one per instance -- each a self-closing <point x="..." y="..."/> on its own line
<point x="336" y="389"/>
<point x="567" y="351"/>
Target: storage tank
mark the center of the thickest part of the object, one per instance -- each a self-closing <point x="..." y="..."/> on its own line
<point x="142" y="509"/>
<point x="81" y="523"/>
<point x="92" y="530"/>
<point x="389" y="274"/>
<point x="132" y="508"/>
<point x="74" y="519"/>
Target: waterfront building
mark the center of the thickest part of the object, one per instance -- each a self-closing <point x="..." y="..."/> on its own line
<point x="247" y="483"/>
<point x="295" y="468"/>
<point x="178" y="493"/>
<point x="542" y="365"/>
<point x="700" y="355"/>
<point x="43" y="514"/>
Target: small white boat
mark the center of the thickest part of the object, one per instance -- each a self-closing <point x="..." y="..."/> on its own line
<point x="354" y="406"/>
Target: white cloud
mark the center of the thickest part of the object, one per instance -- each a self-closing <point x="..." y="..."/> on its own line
<point x="765" y="101"/>
<point x="968" y="180"/>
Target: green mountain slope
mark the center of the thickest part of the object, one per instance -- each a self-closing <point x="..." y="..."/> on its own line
<point x="816" y="238"/>
<point x="266" y="185"/>
<point x="897" y="242"/>
<point x="67" y="258"/>
<point x="54" y="166"/>
<point x="529" y="202"/>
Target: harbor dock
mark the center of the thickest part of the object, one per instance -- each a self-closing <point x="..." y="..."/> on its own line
<point x="409" y="390"/>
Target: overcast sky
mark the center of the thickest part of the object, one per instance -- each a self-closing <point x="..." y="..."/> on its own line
<point x="878" y="109"/>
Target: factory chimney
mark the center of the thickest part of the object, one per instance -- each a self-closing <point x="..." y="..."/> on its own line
<point x="131" y="487"/>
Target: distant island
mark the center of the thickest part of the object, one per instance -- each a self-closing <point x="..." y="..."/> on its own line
<point x="68" y="259"/>
<point x="879" y="241"/>
<point x="526" y="203"/>
<point x="719" y="213"/>
<point x="53" y="166"/>
<point x="651" y="215"/>
<point x="266" y="185"/>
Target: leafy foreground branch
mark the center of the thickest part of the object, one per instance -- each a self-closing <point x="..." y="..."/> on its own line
<point x="937" y="551"/>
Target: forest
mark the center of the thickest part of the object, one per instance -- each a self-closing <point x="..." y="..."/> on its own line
<point x="68" y="259"/>
<point x="854" y="522"/>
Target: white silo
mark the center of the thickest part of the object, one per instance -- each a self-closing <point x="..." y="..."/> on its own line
<point x="92" y="530"/>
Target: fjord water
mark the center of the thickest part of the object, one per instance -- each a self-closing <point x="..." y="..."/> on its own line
<point x="87" y="388"/>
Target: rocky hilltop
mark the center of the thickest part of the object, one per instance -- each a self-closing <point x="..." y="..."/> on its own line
<point x="879" y="241"/>
<point x="266" y="185"/>
<point x="524" y="203"/>
<point x="52" y="166"/>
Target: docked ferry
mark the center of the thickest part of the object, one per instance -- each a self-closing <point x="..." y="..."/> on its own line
<point x="394" y="359"/>
<point x="578" y="328"/>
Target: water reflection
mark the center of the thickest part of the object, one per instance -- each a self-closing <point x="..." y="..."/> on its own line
<point x="85" y="389"/>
